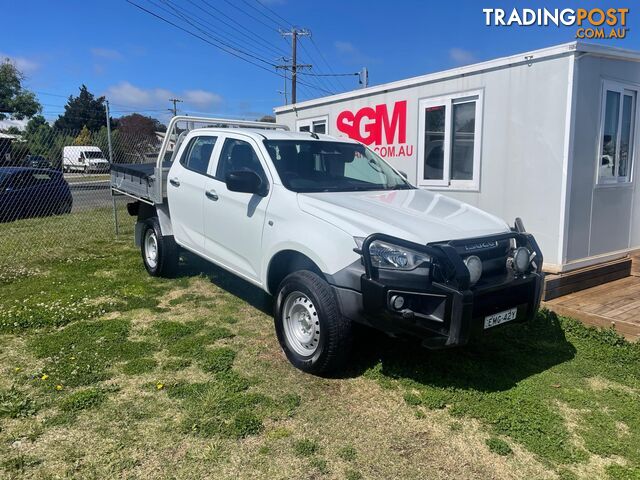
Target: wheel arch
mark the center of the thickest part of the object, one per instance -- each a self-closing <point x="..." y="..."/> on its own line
<point x="285" y="262"/>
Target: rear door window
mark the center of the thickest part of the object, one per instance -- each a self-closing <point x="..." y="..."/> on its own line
<point x="197" y="154"/>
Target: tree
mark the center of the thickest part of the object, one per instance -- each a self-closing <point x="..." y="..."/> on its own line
<point x="35" y="123"/>
<point x="267" y="118"/>
<point x="84" y="137"/>
<point x="140" y="125"/>
<point x="83" y="110"/>
<point x="15" y="101"/>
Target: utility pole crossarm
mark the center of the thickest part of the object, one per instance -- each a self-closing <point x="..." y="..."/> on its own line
<point x="175" y="101"/>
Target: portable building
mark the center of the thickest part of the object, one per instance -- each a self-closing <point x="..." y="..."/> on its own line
<point x="549" y="135"/>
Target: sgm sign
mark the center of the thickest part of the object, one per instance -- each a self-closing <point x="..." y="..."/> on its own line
<point x="592" y="23"/>
<point x="387" y="131"/>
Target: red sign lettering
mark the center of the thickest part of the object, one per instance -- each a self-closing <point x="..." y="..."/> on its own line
<point x="373" y="125"/>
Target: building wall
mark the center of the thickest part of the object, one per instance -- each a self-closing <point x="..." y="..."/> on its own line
<point x="601" y="220"/>
<point x="523" y="125"/>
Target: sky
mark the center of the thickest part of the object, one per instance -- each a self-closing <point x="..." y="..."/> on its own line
<point x="138" y="61"/>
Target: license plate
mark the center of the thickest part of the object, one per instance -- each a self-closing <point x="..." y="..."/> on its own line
<point x="501" y="317"/>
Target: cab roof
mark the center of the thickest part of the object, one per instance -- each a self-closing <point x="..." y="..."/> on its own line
<point x="260" y="134"/>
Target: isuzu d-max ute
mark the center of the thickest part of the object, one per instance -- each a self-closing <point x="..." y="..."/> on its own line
<point x="334" y="233"/>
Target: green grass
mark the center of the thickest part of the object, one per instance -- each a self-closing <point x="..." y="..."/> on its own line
<point x="98" y="370"/>
<point x="515" y="380"/>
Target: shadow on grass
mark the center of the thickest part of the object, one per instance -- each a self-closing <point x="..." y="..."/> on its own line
<point x="192" y="265"/>
<point x="495" y="362"/>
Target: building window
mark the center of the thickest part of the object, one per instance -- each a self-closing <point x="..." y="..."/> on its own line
<point x="617" y="134"/>
<point x="315" y="125"/>
<point x="449" y="143"/>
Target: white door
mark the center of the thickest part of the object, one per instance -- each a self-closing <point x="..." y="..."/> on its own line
<point x="233" y="221"/>
<point x="185" y="191"/>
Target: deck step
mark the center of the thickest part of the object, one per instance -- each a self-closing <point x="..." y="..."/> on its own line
<point x="557" y="285"/>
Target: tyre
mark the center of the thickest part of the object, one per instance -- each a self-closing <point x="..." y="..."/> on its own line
<point x="312" y="332"/>
<point x="159" y="252"/>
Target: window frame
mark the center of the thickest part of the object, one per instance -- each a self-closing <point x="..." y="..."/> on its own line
<point x="448" y="101"/>
<point x="620" y="88"/>
<point x="308" y="122"/>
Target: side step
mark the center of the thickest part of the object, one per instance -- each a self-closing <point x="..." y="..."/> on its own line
<point x="557" y="285"/>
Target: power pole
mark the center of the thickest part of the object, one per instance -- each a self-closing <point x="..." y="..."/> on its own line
<point x="294" y="33"/>
<point x="175" y="108"/>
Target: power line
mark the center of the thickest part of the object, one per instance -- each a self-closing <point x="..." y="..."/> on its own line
<point x="262" y="13"/>
<point x="226" y="50"/>
<point x="270" y="10"/>
<point x="250" y="15"/>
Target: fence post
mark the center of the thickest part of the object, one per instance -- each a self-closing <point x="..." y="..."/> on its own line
<point x="113" y="198"/>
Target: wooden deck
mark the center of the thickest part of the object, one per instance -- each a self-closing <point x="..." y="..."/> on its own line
<point x="614" y="304"/>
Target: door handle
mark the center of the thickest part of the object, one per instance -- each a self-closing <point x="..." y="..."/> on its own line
<point x="174" y="182"/>
<point x="211" y="195"/>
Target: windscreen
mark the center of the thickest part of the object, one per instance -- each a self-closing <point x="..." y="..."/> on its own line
<point x="93" y="154"/>
<point x="318" y="166"/>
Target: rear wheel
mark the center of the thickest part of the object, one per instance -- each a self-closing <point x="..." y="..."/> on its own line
<point x="313" y="334"/>
<point x="159" y="252"/>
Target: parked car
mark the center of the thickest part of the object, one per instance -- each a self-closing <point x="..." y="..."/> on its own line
<point x="32" y="192"/>
<point x="335" y="234"/>
<point x="36" y="161"/>
<point x="84" y="159"/>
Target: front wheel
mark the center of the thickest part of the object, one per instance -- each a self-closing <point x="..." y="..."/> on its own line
<point x="312" y="332"/>
<point x="159" y="252"/>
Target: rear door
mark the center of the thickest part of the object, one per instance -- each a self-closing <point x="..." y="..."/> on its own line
<point x="185" y="191"/>
<point x="233" y="221"/>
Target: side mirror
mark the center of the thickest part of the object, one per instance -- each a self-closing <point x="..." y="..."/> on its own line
<point x="404" y="174"/>
<point x="245" y="181"/>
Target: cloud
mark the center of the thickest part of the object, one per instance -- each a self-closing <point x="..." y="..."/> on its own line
<point x="201" y="98"/>
<point x="351" y="54"/>
<point x="106" y="54"/>
<point x="129" y="95"/>
<point x="9" y="122"/>
<point x="461" y="56"/>
<point x="23" y="64"/>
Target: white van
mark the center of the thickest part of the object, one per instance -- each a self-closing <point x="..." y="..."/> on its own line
<point x="84" y="159"/>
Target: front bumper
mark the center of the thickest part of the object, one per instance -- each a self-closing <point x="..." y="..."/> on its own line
<point x="442" y="308"/>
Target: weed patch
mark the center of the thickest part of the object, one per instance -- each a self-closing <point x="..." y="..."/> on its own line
<point x="138" y="366"/>
<point x="82" y="353"/>
<point x="82" y="400"/>
<point x="499" y="446"/>
<point x="305" y="447"/>
<point x="16" y="404"/>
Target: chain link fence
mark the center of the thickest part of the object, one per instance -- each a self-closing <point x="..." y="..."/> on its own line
<point x="54" y="181"/>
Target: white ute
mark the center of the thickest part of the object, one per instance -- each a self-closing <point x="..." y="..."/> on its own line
<point x="334" y="233"/>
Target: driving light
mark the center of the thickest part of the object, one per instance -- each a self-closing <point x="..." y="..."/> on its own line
<point x="397" y="302"/>
<point x="474" y="265"/>
<point x="520" y="260"/>
<point x="389" y="256"/>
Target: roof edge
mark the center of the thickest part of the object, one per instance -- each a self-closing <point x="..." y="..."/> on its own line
<point x="529" y="56"/>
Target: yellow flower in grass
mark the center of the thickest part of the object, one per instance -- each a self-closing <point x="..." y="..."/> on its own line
<point x="59" y="387"/>
<point x="44" y="376"/>
<point x="17" y="369"/>
<point x="159" y="386"/>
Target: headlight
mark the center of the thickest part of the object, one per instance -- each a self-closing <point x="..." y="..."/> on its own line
<point x="387" y="255"/>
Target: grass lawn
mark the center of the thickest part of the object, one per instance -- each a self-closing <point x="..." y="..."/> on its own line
<point x="106" y="372"/>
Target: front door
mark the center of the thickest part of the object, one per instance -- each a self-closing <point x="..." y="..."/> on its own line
<point x="233" y="221"/>
<point x="185" y="191"/>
